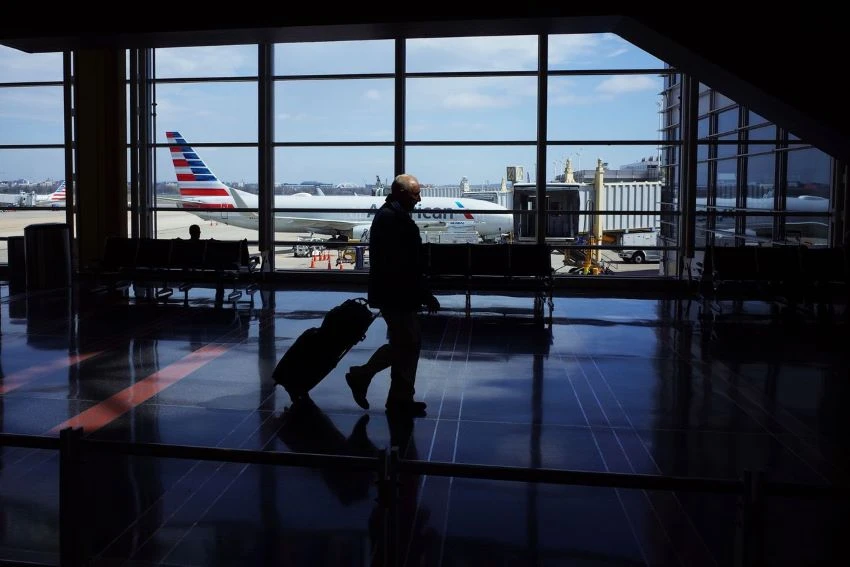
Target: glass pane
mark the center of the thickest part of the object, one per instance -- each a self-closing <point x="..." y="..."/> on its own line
<point x="336" y="57"/>
<point x="349" y="168"/>
<point x="727" y="179"/>
<point x="234" y="167"/>
<point x="727" y="121"/>
<point x="472" y="109"/>
<point x="760" y="181"/>
<point x="32" y="115"/>
<point x="18" y="66"/>
<point x="453" y="54"/>
<point x="703" y="128"/>
<point x="24" y="170"/>
<point x="210" y="61"/>
<point x="704" y="103"/>
<point x="208" y="112"/>
<point x="721" y="101"/>
<point x="762" y="133"/>
<point x="702" y="222"/>
<point x="598" y="51"/>
<point x="755" y="119"/>
<point x="605" y="107"/>
<point x="15" y="226"/>
<point x="761" y="148"/>
<point x="808" y="191"/>
<point x="808" y="173"/>
<point x="620" y="163"/>
<point x="483" y="167"/>
<point x="334" y="110"/>
<point x="728" y="149"/>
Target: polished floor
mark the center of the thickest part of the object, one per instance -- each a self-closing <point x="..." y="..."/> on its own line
<point x="609" y="384"/>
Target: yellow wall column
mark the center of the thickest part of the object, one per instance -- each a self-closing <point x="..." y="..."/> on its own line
<point x="101" y="150"/>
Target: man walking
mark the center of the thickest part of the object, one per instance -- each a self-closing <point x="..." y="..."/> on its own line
<point x="398" y="288"/>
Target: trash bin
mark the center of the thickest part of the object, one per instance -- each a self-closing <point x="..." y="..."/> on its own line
<point x="48" y="256"/>
<point x="17" y="264"/>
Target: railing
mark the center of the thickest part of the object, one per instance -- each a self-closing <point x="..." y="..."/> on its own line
<point x="752" y="489"/>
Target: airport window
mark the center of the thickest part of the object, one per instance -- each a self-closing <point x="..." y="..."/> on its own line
<point x="729" y="148"/>
<point x="32" y="156"/>
<point x="762" y="133"/>
<point x="334" y="110"/>
<point x="470" y="124"/>
<point x="727" y="120"/>
<point x="703" y="128"/>
<point x="204" y="62"/>
<point x="334" y="58"/>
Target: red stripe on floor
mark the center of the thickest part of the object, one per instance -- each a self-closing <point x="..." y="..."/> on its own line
<point x="17" y="379"/>
<point x="117" y="405"/>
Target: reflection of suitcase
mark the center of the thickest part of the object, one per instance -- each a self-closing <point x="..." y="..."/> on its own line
<point x="307" y="429"/>
<point x="318" y="350"/>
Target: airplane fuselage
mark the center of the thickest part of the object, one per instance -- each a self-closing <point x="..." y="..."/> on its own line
<point x="309" y="213"/>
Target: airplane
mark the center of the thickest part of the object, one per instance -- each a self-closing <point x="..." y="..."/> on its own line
<point x="807" y="226"/>
<point x="200" y="188"/>
<point x="55" y="199"/>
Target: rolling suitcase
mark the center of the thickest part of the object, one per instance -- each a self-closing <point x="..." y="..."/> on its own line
<point x="318" y="350"/>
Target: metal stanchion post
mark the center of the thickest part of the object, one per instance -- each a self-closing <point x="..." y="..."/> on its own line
<point x="72" y="546"/>
<point x="749" y="545"/>
<point x="392" y="507"/>
<point x="388" y="501"/>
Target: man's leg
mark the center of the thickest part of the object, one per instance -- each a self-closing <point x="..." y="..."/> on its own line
<point x="405" y="341"/>
<point x="381" y="359"/>
<point x="358" y="378"/>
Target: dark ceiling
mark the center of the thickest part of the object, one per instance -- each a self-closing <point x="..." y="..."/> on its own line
<point x="785" y="67"/>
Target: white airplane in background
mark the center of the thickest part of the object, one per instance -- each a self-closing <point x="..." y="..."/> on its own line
<point x="200" y="188"/>
<point x="806" y="227"/>
<point x="55" y="199"/>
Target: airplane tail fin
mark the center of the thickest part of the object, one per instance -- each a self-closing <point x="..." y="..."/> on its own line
<point x="198" y="186"/>
<point x="58" y="194"/>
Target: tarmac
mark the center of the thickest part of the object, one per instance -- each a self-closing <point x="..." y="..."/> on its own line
<point x="175" y="224"/>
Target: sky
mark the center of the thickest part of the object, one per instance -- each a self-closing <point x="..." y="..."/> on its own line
<point x="446" y="109"/>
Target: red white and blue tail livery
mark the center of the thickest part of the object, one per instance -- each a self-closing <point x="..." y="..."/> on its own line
<point x="55" y="199"/>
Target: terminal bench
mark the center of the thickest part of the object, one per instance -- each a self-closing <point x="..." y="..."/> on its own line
<point x="164" y="263"/>
<point x="791" y="277"/>
<point x="498" y="268"/>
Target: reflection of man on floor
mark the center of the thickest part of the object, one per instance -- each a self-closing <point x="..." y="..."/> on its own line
<point x="417" y="542"/>
<point x="306" y="428"/>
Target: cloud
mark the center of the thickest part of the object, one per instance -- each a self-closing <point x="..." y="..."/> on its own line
<point x="473" y="53"/>
<point x="474" y="100"/>
<point x="628" y="84"/>
<point x="617" y="52"/>
<point x="231" y="60"/>
<point x="566" y="49"/>
<point x="372" y="94"/>
<point x="297" y="117"/>
<point x="17" y="66"/>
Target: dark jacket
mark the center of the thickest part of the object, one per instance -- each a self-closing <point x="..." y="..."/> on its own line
<point x="396" y="279"/>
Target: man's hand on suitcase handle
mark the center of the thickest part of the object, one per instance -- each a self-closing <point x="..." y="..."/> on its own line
<point x="432" y="304"/>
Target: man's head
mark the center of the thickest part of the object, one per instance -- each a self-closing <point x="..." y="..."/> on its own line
<point x="194" y="232"/>
<point x="405" y="189"/>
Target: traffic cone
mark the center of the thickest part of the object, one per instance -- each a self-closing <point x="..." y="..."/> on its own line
<point x="329" y="263"/>
<point x="312" y="261"/>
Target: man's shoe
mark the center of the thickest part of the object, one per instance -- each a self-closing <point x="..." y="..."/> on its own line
<point x="358" y="384"/>
<point x="407" y="407"/>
